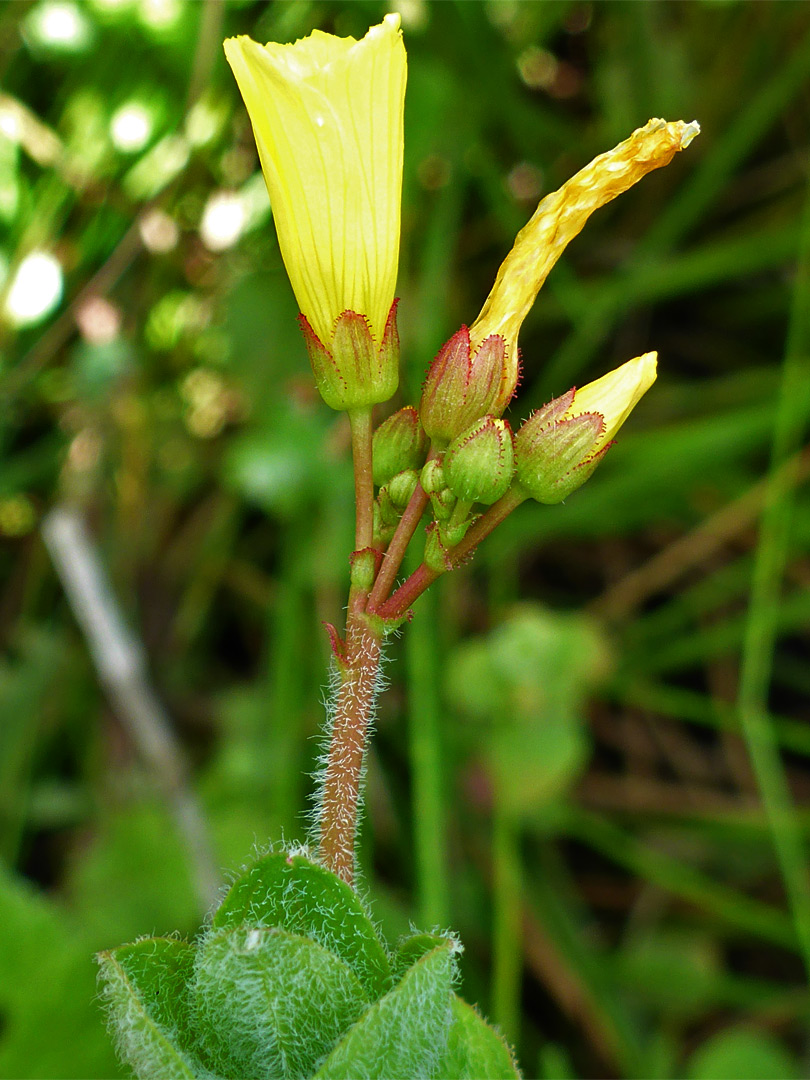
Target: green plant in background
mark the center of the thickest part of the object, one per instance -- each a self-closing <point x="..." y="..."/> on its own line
<point x="290" y="978"/>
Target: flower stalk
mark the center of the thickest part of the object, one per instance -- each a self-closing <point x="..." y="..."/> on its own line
<point x="327" y="114"/>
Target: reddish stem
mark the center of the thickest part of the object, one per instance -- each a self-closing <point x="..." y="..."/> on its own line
<point x="396" y="605"/>
<point x="360" y="420"/>
<point x="345" y="766"/>
<point x="392" y="560"/>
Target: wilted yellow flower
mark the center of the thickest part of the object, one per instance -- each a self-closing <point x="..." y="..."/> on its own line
<point x="560" y="445"/>
<point x="558" y="219"/>
<point x="327" y="114"/>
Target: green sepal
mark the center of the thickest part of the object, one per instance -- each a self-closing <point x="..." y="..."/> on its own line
<point x="437" y="555"/>
<point x="475" y="1051"/>
<point x="145" y="987"/>
<point x="302" y="897"/>
<point x="404" y="1035"/>
<point x="399" y="443"/>
<point x="269" y="1003"/>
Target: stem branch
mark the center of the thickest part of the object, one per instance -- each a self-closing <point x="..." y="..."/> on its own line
<point x="424" y="576"/>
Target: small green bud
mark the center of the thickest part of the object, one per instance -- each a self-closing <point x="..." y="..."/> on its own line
<point x="389" y="514"/>
<point x="402" y="487"/>
<point x="436" y="555"/>
<point x="556" y="453"/>
<point x="443" y="503"/>
<point x="353" y="372"/>
<point x="432" y="478"/>
<point x="399" y="443"/>
<point x="382" y="530"/>
<point x="364" y="566"/>
<point x="479" y="464"/>
<point x="453" y="534"/>
<point x="462" y="386"/>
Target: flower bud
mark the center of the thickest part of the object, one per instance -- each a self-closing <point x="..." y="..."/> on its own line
<point x="462" y="386"/>
<point x="443" y="503"/>
<point x="432" y="476"/>
<point x="479" y="464"/>
<point x="399" y="443"/>
<point x="560" y="445"/>
<point x="382" y="531"/>
<point x="436" y="553"/>
<point x="364" y="565"/>
<point x="354" y="372"/>
<point x="402" y="487"/>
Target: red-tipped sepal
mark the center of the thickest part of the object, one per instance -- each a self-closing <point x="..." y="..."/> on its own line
<point x="461" y="387"/>
<point x="353" y="372"/>
<point x="554" y="453"/>
<point x="479" y="464"/>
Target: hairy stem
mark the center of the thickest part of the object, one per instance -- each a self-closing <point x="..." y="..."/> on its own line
<point x="341" y="793"/>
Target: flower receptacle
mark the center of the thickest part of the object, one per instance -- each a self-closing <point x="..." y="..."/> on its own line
<point x="354" y="372"/>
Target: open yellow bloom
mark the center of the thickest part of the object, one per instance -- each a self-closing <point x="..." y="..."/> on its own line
<point x="327" y="114"/>
<point x="558" y="219"/>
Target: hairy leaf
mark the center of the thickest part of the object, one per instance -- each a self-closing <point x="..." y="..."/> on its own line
<point x="271" y="1004"/>
<point x="475" y="1051"/>
<point x="145" y="987"/>
<point x="404" y="1035"/>
<point x="302" y="897"/>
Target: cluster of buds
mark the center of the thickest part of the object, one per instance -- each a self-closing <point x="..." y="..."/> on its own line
<point x="327" y="114"/>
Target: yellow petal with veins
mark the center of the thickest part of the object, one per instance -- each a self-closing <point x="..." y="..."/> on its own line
<point x="559" y="218"/>
<point x="327" y="114"/>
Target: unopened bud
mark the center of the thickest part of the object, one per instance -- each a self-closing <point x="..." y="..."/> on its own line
<point x="443" y="503"/>
<point x="364" y="565"/>
<point x="479" y="464"/>
<point x="461" y="386"/>
<point x="399" y="443"/>
<point x="432" y="478"/>
<point x="402" y="487"/>
<point x="382" y="530"/>
<point x="436" y="553"/>
<point x="560" y="445"/>
<point x="354" y="372"/>
<point x="389" y="514"/>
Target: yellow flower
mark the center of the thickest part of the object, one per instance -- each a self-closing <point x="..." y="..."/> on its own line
<point x="560" y="445"/>
<point x="616" y="394"/>
<point x="327" y="115"/>
<point x="557" y="220"/>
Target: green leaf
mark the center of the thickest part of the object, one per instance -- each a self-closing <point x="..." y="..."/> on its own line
<point x="50" y="1025"/>
<point x="413" y="948"/>
<point x="270" y="1003"/>
<point x="475" y="1051"/>
<point x="302" y="897"/>
<point x="402" y="1036"/>
<point x="145" y="986"/>
<point x="742" y="1054"/>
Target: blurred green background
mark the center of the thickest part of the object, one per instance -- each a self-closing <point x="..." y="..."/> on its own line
<point x="593" y="760"/>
